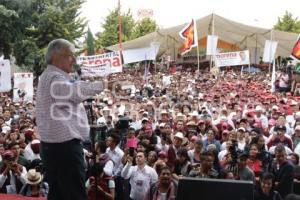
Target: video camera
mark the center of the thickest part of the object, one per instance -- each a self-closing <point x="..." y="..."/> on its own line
<point x="234" y="151"/>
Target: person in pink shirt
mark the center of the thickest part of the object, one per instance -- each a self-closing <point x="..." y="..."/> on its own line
<point x="131" y="140"/>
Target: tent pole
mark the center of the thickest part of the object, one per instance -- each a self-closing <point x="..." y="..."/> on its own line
<point x="212" y="32"/>
<point x="120" y="26"/>
<point x="198" y="58"/>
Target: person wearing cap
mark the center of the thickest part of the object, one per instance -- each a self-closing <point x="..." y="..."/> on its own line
<point x="164" y="116"/>
<point x="241" y="138"/>
<point x="284" y="81"/>
<point x="62" y="121"/>
<point x="261" y="117"/>
<point x="32" y="150"/>
<point x="12" y="174"/>
<point x="280" y="137"/>
<point x="35" y="186"/>
<point x="281" y="121"/>
<point x="173" y="148"/>
<point x="30" y="110"/>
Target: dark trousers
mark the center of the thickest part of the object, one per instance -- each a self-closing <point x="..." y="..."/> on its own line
<point x="64" y="166"/>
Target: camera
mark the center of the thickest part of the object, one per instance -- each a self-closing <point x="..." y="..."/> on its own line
<point x="234" y="151"/>
<point x="123" y="123"/>
<point x="131" y="151"/>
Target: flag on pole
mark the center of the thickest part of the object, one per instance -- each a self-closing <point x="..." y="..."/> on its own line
<point x="269" y="51"/>
<point x="296" y="50"/>
<point x="146" y="73"/>
<point x="189" y="34"/>
<point x="273" y="78"/>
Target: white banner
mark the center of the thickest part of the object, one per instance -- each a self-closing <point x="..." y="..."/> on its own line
<point x="141" y="54"/>
<point x="211" y="45"/>
<point x="23" y="87"/>
<point x="166" y="80"/>
<point x="232" y="58"/>
<point x="269" y="51"/>
<point x="5" y="76"/>
<point x="95" y="71"/>
<point x="112" y="58"/>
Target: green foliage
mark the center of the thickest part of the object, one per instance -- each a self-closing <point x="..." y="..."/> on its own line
<point x="130" y="29"/>
<point x="288" y="23"/>
<point x="8" y="21"/>
<point x="90" y="43"/>
<point x="110" y="34"/>
<point x="30" y="25"/>
<point x="144" y="27"/>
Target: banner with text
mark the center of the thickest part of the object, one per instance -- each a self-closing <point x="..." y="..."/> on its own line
<point x="95" y="71"/>
<point x="232" y="58"/>
<point x="23" y="87"/>
<point x="5" y="76"/>
<point x="98" y="62"/>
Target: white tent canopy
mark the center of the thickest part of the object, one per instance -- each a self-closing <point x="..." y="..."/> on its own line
<point x="243" y="36"/>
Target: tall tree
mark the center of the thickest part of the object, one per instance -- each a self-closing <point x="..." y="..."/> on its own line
<point x="8" y="26"/>
<point x="27" y="26"/>
<point x="109" y="35"/>
<point x="90" y="43"/>
<point x="288" y="23"/>
<point x="143" y="27"/>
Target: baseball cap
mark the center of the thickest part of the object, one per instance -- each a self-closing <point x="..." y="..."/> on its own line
<point x="162" y="154"/>
<point x="179" y="135"/>
<point x="280" y="127"/>
<point x="241" y="129"/>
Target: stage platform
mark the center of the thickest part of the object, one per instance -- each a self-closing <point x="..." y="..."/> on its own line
<point x="19" y="197"/>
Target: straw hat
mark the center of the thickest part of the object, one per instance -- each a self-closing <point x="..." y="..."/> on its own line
<point x="33" y="177"/>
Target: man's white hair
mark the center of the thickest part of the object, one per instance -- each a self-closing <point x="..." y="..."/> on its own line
<point x="55" y="47"/>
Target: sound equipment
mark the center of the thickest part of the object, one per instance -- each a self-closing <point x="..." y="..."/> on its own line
<point x="214" y="189"/>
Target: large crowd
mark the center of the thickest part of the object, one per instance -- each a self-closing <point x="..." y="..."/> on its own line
<point x="148" y="133"/>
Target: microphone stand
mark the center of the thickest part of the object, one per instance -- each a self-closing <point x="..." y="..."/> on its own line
<point x="91" y="119"/>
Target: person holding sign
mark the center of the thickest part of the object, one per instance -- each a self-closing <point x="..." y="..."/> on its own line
<point x="62" y="122"/>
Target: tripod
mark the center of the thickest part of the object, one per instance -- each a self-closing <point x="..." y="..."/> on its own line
<point x="91" y="119"/>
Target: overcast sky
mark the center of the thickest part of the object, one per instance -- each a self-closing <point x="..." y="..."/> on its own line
<point x="167" y="13"/>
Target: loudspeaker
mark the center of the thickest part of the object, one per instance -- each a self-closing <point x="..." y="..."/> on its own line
<point x="214" y="189"/>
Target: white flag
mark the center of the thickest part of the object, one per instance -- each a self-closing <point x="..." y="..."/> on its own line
<point x="211" y="46"/>
<point x="273" y="78"/>
<point x="269" y="51"/>
<point x="5" y="76"/>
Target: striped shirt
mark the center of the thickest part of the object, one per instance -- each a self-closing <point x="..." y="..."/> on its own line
<point x="59" y="110"/>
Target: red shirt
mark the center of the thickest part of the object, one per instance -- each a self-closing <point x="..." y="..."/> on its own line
<point x="255" y="166"/>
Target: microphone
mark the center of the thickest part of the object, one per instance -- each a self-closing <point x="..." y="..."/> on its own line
<point x="77" y="68"/>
